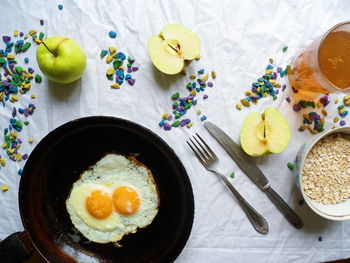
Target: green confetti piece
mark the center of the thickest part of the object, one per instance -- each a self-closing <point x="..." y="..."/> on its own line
<point x="290" y="166"/>
<point x="38" y="78"/>
<point x="19" y="124"/>
<point x="189" y="86"/>
<point x="117" y="63"/>
<point x="19" y="70"/>
<point x="232" y="175"/>
<point x="175" y="123"/>
<point x="284" y="49"/>
<point x="41" y="36"/>
<point x="130" y="59"/>
<point x="26" y="46"/>
<point x="175" y="96"/>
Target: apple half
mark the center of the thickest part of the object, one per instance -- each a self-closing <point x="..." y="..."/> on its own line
<point x="264" y="133"/>
<point x="171" y="47"/>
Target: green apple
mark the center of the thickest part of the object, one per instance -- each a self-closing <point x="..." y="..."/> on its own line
<point x="171" y="47"/>
<point x="61" y="59"/>
<point x="264" y="133"/>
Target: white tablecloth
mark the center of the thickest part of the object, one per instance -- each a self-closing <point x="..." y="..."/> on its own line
<point x="238" y="38"/>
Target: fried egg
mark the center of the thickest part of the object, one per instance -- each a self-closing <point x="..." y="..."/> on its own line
<point x="114" y="197"/>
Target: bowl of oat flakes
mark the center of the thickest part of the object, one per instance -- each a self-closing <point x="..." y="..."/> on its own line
<point x="322" y="169"/>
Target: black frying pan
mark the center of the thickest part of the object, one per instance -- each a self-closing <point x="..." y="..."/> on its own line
<point x="57" y="162"/>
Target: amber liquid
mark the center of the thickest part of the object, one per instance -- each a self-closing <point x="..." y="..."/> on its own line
<point x="334" y="59"/>
<point x="312" y="74"/>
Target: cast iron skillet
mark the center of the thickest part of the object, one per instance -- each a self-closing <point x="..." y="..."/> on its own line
<point x="59" y="159"/>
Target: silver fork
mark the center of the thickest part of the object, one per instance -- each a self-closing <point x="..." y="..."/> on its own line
<point x="211" y="162"/>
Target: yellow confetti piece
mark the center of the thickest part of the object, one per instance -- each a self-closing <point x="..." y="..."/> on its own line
<point x="165" y="116"/>
<point x="270" y="60"/>
<point x="14" y="98"/>
<point x="11" y="150"/>
<point x="115" y="86"/>
<point x="15" y="34"/>
<point x="32" y="32"/>
<point x="189" y="125"/>
<point x="319" y="104"/>
<point x="2" y="162"/>
<point x="110" y="71"/>
<point x="112" y="50"/>
<point x="31" y="140"/>
<point x="269" y="71"/>
<point x="249" y="93"/>
<point x="4" y="188"/>
<point x="238" y="106"/>
<point x="109" y="59"/>
<point x="205" y="78"/>
<point x="312" y="130"/>
<point x="335" y="119"/>
<point x="26" y="36"/>
<point x="193" y="92"/>
<point x="4" y="145"/>
<point x="121" y="68"/>
<point x="11" y="56"/>
<point x="199" y="112"/>
<point x="192" y="77"/>
<point x="324" y="112"/>
<point x="346" y="100"/>
<point x="213" y="74"/>
<point x="245" y="102"/>
<point x="303" y="127"/>
<point x="38" y="41"/>
<point x="18" y="157"/>
<point x="33" y="96"/>
<point x="336" y="101"/>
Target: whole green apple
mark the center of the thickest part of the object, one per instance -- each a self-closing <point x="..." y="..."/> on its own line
<point x="61" y="59"/>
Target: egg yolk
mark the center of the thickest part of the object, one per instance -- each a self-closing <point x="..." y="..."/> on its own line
<point x="126" y="200"/>
<point x="99" y="204"/>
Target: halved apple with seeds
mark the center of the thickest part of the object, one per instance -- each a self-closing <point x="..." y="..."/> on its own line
<point x="171" y="47"/>
<point x="264" y="133"/>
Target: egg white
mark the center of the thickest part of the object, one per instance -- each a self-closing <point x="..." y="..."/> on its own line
<point x="111" y="172"/>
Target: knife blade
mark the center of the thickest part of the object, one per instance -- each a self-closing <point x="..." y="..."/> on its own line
<point x="253" y="172"/>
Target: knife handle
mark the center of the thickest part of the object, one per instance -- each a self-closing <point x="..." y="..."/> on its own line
<point x="284" y="208"/>
<point x="258" y="221"/>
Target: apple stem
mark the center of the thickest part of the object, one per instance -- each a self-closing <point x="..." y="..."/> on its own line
<point x="49" y="49"/>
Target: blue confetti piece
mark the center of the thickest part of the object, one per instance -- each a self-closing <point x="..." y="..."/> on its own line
<point x="112" y="34"/>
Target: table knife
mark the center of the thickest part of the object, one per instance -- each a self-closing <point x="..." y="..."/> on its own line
<point x="253" y="172"/>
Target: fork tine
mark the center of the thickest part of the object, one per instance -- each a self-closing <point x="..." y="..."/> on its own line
<point x="195" y="152"/>
<point x="206" y="152"/>
<point x="209" y="149"/>
<point x="199" y="153"/>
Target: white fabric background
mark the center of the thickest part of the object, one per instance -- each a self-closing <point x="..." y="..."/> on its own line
<point x="238" y="38"/>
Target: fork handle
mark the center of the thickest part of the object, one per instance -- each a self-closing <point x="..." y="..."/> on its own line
<point x="257" y="220"/>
